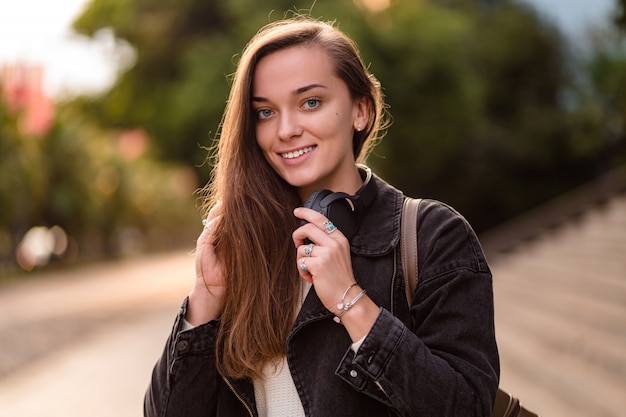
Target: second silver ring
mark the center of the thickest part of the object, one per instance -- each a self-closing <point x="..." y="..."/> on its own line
<point x="308" y="250"/>
<point x="329" y="227"/>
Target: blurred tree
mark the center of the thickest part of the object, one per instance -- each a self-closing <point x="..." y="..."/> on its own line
<point x="102" y="188"/>
<point x="606" y="89"/>
<point x="22" y="182"/>
<point x="478" y="90"/>
<point x="620" y="16"/>
<point x="164" y="91"/>
<point x="111" y="183"/>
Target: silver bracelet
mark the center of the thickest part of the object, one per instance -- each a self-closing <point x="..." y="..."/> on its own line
<point x="347" y="306"/>
<point x="343" y="297"/>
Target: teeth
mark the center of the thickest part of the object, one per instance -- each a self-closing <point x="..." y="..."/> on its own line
<point x="295" y="154"/>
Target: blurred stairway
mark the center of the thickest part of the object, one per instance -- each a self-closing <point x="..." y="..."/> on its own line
<point x="560" y="299"/>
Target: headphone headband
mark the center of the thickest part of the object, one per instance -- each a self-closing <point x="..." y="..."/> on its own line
<point x="367" y="193"/>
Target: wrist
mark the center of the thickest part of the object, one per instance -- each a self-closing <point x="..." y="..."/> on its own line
<point x="359" y="320"/>
<point x="202" y="307"/>
<point x="350" y="298"/>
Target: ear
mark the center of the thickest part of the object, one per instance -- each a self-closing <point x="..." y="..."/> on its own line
<point x="361" y="113"/>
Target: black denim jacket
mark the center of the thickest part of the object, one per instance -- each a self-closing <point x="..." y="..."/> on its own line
<point x="446" y="364"/>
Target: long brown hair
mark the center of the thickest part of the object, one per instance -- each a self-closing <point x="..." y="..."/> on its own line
<point x="253" y="239"/>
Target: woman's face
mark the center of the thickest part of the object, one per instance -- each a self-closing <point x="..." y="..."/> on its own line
<point x="305" y="119"/>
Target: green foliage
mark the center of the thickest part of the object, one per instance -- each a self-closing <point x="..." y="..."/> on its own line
<point x="22" y="183"/>
<point x="82" y="179"/>
<point x="477" y="102"/>
<point x="486" y="114"/>
<point x="620" y="15"/>
<point x="606" y="93"/>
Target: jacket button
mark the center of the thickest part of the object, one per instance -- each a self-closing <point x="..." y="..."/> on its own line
<point x="353" y="373"/>
<point x="182" y="345"/>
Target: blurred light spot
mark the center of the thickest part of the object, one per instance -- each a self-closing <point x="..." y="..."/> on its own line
<point x="60" y="240"/>
<point x="23" y="95"/>
<point x="35" y="248"/>
<point x="184" y="181"/>
<point x="107" y="180"/>
<point x="39" y="244"/>
<point x="374" y="5"/>
<point x="132" y="143"/>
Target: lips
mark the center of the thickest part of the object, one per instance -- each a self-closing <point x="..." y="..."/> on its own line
<point x="297" y="153"/>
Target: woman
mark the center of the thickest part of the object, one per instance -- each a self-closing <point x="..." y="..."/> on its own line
<point x="291" y="316"/>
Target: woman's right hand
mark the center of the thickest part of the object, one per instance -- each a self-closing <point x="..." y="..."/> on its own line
<point x="207" y="296"/>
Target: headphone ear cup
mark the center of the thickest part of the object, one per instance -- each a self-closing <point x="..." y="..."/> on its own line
<point x="335" y="207"/>
<point x="341" y="213"/>
<point x="343" y="209"/>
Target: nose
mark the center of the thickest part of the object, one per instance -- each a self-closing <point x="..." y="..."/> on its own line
<point x="289" y="126"/>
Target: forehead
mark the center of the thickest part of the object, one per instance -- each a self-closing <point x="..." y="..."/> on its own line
<point x="292" y="68"/>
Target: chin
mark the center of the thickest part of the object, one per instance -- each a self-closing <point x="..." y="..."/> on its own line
<point x="297" y="181"/>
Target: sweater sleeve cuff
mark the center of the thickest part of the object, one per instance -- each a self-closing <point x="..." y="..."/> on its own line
<point x="356" y="345"/>
<point x="186" y="325"/>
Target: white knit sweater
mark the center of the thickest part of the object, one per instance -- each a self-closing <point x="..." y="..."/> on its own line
<point x="276" y="393"/>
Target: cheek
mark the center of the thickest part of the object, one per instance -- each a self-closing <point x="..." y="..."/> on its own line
<point x="326" y="124"/>
<point x="263" y="139"/>
<point x="338" y="128"/>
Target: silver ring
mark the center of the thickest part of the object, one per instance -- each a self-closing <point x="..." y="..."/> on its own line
<point x="207" y="224"/>
<point x="308" y="249"/>
<point x="303" y="266"/>
<point x="329" y="227"/>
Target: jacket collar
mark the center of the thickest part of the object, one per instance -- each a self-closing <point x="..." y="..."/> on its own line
<point x="379" y="226"/>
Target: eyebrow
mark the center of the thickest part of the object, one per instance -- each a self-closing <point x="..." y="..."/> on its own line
<point x="295" y="92"/>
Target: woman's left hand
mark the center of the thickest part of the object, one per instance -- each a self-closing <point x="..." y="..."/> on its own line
<point x="328" y="265"/>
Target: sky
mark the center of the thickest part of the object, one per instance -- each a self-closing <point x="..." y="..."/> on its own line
<point x="572" y="16"/>
<point x="37" y="32"/>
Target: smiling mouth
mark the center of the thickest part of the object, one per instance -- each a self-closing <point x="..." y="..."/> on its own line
<point x="295" y="154"/>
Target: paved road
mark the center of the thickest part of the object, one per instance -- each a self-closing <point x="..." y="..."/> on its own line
<point x="83" y="342"/>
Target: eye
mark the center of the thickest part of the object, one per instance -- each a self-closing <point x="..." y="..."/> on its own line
<point x="263" y="114"/>
<point x="312" y="103"/>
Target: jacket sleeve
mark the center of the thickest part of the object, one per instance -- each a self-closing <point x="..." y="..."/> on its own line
<point x="447" y="363"/>
<point x="184" y="379"/>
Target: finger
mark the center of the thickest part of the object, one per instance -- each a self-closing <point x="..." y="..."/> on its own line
<point x="207" y="236"/>
<point x="318" y="219"/>
<point x="215" y="211"/>
<point x="316" y="231"/>
<point x="214" y="214"/>
<point x="210" y="223"/>
<point x="309" y="215"/>
<point x="309" y="233"/>
<point x="306" y="250"/>
<point x="303" y="268"/>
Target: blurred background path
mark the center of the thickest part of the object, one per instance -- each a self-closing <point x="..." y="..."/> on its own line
<point x="83" y="342"/>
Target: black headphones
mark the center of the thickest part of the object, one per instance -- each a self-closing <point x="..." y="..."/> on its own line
<point x="343" y="209"/>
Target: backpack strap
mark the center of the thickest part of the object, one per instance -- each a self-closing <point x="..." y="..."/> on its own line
<point x="505" y="404"/>
<point x="408" y="245"/>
